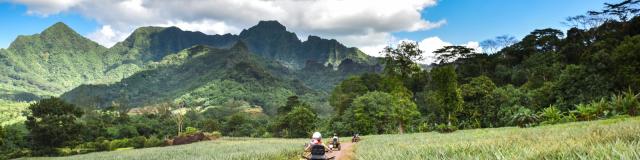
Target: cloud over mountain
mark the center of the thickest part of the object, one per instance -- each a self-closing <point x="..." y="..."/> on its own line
<point x="360" y="23"/>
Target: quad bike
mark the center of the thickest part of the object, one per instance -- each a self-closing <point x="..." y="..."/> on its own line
<point x="318" y="153"/>
<point x="335" y="144"/>
<point x="355" y="139"/>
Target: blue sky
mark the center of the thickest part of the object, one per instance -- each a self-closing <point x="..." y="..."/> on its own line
<point x="15" y="21"/>
<point x="477" y="20"/>
<point x="466" y="20"/>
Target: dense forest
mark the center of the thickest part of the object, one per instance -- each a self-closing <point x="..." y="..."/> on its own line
<point x="591" y="71"/>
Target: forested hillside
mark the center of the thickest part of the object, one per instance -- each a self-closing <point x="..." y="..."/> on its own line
<point x="200" y="76"/>
<point x="547" y="77"/>
<point x="49" y="63"/>
<point x="42" y="65"/>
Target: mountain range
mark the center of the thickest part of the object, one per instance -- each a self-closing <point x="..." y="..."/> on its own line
<point x="262" y="65"/>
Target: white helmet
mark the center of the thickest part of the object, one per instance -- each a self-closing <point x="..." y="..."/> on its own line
<point x="316" y="135"/>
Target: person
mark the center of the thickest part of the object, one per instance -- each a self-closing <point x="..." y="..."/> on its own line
<point x="355" y="137"/>
<point x="316" y="139"/>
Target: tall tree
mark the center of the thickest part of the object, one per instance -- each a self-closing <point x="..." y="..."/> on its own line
<point x="381" y="112"/>
<point x="52" y="124"/>
<point x="494" y="45"/>
<point x="448" y="54"/>
<point x="401" y="61"/>
<point x="622" y="10"/>
<point x="295" y="120"/>
<point x="480" y="105"/>
<point x="444" y="98"/>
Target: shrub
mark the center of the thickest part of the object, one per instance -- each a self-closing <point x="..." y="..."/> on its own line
<point x="586" y="112"/>
<point x="190" y="131"/>
<point x="119" y="143"/>
<point x="627" y="103"/>
<point x="446" y="128"/>
<point x="138" y="142"/>
<point x="524" y="117"/>
<point x="569" y="118"/>
<point x="551" y="115"/>
<point x="215" y="135"/>
<point x="65" y="151"/>
<point x="101" y="144"/>
<point x="153" y="141"/>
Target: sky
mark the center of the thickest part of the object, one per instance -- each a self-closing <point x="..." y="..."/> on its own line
<point x="367" y="24"/>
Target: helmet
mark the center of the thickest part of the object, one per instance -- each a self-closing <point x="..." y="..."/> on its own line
<point x="316" y="135"/>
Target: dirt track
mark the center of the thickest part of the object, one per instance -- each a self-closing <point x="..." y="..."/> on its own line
<point x="346" y="153"/>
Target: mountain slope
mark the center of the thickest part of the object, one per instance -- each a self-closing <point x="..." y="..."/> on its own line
<point x="201" y="76"/>
<point x="50" y="63"/>
<point x="277" y="65"/>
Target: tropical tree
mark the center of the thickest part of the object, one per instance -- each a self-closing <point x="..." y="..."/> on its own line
<point x="52" y="124"/>
<point x="448" y="54"/>
<point x="444" y="98"/>
<point x="400" y="61"/>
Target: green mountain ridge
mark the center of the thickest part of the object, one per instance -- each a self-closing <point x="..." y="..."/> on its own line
<point x="58" y="60"/>
<point x="200" y="76"/>
<point x="50" y="63"/>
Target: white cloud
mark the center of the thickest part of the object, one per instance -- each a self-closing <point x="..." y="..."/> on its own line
<point x="204" y="26"/>
<point x="107" y="36"/>
<point x="47" y="7"/>
<point x="360" y="23"/>
<point x="427" y="45"/>
<point x="431" y="44"/>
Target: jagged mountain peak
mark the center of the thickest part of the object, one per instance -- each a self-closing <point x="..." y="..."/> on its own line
<point x="270" y="25"/>
<point x="58" y="35"/>
<point x="58" y="27"/>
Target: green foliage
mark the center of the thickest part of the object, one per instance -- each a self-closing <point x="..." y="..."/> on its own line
<point x="52" y="123"/>
<point x="242" y="125"/>
<point x="446" y="128"/>
<point x="12" y="112"/>
<point x="295" y="119"/>
<point x="524" y="117"/>
<point x="481" y="102"/>
<point x="551" y="115"/>
<point x="444" y="100"/>
<point x="577" y="85"/>
<point x="120" y="143"/>
<point x="400" y="61"/>
<point x="213" y="135"/>
<point x="627" y="102"/>
<point x="301" y="121"/>
<point x="449" y="53"/>
<point x="191" y="131"/>
<point x="626" y="63"/>
<point x="153" y="141"/>
<point x="13" y="141"/>
<point x="380" y="112"/>
<point x="138" y="142"/>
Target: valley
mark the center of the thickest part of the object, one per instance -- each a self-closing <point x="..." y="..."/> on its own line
<point x="228" y="80"/>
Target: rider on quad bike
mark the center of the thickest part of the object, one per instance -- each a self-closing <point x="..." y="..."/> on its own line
<point x="335" y="142"/>
<point x="317" y="149"/>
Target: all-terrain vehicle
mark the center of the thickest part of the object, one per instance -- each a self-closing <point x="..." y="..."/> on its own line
<point x="334" y="144"/>
<point x="355" y="138"/>
<point x="318" y="153"/>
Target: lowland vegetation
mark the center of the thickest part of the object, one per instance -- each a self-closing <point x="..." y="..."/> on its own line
<point x="544" y="84"/>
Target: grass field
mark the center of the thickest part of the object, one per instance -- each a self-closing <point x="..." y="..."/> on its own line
<point x="223" y="149"/>
<point x="11" y="112"/>
<point x="605" y="139"/>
